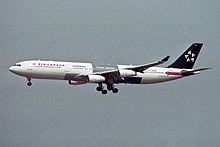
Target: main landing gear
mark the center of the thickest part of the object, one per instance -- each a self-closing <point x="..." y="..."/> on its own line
<point x="29" y="82"/>
<point x="101" y="88"/>
<point x="110" y="87"/>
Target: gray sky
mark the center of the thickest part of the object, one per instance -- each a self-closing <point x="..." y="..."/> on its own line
<point x="52" y="113"/>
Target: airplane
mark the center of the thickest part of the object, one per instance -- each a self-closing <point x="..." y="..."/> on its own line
<point x="77" y="73"/>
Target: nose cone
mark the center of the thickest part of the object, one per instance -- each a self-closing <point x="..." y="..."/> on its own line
<point x="12" y="69"/>
<point x="18" y="70"/>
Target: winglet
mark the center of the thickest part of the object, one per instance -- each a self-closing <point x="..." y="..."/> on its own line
<point x="165" y="59"/>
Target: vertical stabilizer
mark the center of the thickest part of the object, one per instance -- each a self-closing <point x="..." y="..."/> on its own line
<point x="188" y="58"/>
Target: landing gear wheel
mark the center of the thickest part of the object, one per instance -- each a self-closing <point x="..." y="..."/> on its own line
<point x="104" y="91"/>
<point x="111" y="87"/>
<point x="29" y="83"/>
<point x="115" y="90"/>
<point x="100" y="87"/>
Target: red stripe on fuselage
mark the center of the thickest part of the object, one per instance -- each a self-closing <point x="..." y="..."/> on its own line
<point x="173" y="73"/>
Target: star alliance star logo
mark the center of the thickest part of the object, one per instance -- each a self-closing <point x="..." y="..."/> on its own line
<point x="190" y="57"/>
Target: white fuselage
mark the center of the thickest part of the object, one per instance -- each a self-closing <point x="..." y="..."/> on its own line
<point x="71" y="70"/>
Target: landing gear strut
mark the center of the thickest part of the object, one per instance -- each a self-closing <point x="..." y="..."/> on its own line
<point x="29" y="82"/>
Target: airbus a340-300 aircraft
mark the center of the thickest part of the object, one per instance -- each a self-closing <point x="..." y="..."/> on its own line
<point x="81" y="73"/>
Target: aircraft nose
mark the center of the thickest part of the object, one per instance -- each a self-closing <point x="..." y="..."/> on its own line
<point x="12" y="69"/>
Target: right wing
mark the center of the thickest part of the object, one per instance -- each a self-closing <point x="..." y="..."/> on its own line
<point x="100" y="77"/>
<point x="139" y="68"/>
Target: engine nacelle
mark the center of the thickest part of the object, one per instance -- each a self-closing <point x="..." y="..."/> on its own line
<point x="126" y="73"/>
<point x="96" y="79"/>
<point x="71" y="82"/>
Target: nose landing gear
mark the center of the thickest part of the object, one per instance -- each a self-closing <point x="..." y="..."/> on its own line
<point x="29" y="82"/>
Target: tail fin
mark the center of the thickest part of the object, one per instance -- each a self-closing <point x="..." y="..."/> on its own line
<point x="188" y="58"/>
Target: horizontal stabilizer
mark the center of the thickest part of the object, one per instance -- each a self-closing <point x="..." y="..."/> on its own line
<point x="200" y="69"/>
<point x="193" y="72"/>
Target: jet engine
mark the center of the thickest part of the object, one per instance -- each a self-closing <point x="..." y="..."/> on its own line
<point x="126" y="73"/>
<point x="96" y="79"/>
<point x="71" y="82"/>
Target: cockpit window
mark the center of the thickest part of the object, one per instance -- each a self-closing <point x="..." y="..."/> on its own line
<point x="17" y="65"/>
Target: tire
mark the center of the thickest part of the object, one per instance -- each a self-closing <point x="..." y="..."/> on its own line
<point x="99" y="88"/>
<point x="104" y="91"/>
<point x="29" y="83"/>
<point x="115" y="90"/>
